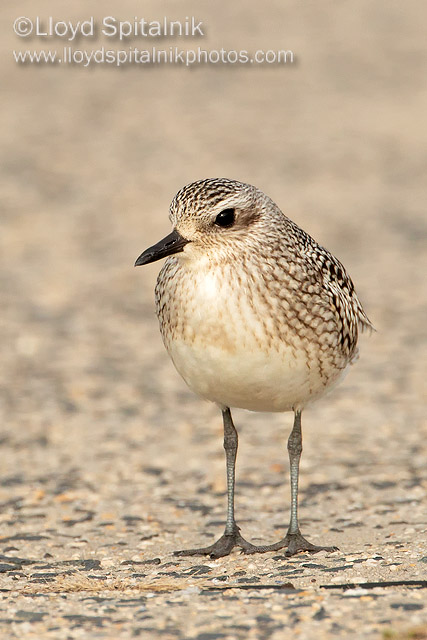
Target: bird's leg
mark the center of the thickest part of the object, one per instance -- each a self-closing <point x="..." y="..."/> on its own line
<point x="294" y="450"/>
<point x="230" y="446"/>
<point x="294" y="540"/>
<point x="231" y="536"/>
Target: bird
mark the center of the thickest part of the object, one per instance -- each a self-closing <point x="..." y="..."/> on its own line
<point x="255" y="315"/>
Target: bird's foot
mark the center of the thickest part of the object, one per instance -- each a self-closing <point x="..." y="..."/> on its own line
<point x="294" y="542"/>
<point x="222" y="547"/>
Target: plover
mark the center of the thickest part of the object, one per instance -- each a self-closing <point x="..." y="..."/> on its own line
<point x="255" y="315"/>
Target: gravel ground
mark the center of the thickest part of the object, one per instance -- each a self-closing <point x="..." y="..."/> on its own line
<point x="109" y="463"/>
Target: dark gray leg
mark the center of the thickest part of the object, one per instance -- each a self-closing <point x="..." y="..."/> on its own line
<point x="230" y="446"/>
<point x="294" y="450"/>
<point x="231" y="537"/>
<point x="293" y="540"/>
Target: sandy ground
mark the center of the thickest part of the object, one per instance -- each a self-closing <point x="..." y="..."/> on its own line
<point x="109" y="463"/>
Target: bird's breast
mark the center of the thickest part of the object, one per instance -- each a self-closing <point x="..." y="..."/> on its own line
<point x="235" y="343"/>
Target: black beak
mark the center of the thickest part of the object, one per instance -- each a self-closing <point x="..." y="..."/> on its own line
<point x="173" y="243"/>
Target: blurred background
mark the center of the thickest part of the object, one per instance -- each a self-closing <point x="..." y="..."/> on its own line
<point x="90" y="161"/>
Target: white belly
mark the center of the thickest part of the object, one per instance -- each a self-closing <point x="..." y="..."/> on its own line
<point x="255" y="380"/>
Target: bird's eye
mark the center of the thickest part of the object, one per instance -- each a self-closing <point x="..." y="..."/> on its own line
<point x="226" y="218"/>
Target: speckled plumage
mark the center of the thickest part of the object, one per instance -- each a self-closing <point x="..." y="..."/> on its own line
<point x="254" y="314"/>
<point x="262" y="291"/>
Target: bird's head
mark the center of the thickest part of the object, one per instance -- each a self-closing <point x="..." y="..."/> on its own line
<point x="212" y="215"/>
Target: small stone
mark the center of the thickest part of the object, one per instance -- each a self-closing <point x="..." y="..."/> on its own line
<point x="320" y="614"/>
<point x="31" y="616"/>
<point x="7" y="567"/>
<point x="407" y="606"/>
